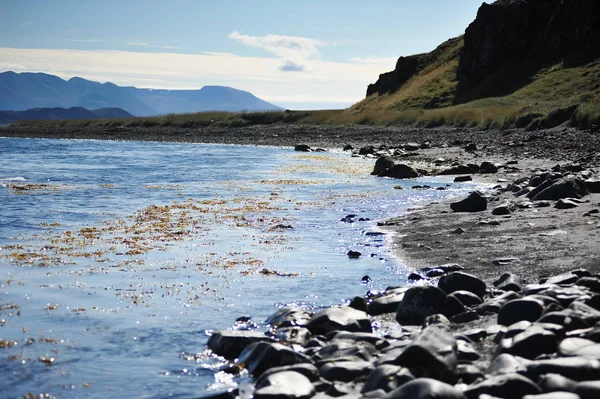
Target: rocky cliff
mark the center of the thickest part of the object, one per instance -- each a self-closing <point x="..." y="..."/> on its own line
<point x="509" y="41"/>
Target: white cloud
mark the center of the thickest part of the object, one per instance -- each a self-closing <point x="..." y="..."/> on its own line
<point x="344" y="82"/>
<point x="295" y="51"/>
<point x="375" y="60"/>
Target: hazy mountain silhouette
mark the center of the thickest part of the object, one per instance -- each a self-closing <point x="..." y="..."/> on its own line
<point x="46" y="114"/>
<point x="22" y="91"/>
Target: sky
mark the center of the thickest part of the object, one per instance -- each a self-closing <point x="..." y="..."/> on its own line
<point x="307" y="54"/>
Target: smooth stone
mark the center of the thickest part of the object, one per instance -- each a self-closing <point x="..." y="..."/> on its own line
<point x="230" y="344"/>
<point x="468" y="373"/>
<point x="400" y="171"/>
<point x="475" y="202"/>
<point x="261" y="356"/>
<point x="553" y="395"/>
<point x="460" y="179"/>
<point x="386" y="377"/>
<point x="418" y="303"/>
<point x="529" y="344"/>
<point x="452" y="307"/>
<point x="565" y="278"/>
<point x="592" y="283"/>
<point x="345" y="350"/>
<point x="509" y="282"/>
<point x="386" y="303"/>
<point x="579" y="347"/>
<point x="432" y="354"/>
<point x="467" y="298"/>
<point x="506" y="208"/>
<point x="504" y="364"/>
<point x="442" y="269"/>
<point x="503" y="386"/>
<point x="308" y="370"/>
<point x="302" y="148"/>
<point x="284" y="385"/>
<point x="576" y="368"/>
<point x="345" y="371"/>
<point x="371" y="338"/>
<point x="566" y="187"/>
<point x="565" y="203"/>
<point x="518" y="310"/>
<point x="336" y="319"/>
<point x="465" y="317"/>
<point x="383" y="163"/>
<point x="466" y="351"/>
<point x="289" y="316"/>
<point x="556" y="382"/>
<point x="425" y="388"/>
<point x="459" y="281"/>
<point x="487" y="167"/>
<point x="588" y="390"/>
<point x="493" y="305"/>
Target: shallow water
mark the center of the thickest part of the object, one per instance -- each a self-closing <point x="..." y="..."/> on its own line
<point x="118" y="258"/>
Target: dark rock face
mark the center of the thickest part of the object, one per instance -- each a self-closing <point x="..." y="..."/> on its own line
<point x="512" y="31"/>
<point x="302" y="148"/>
<point x="568" y="187"/>
<point x="475" y="202"/>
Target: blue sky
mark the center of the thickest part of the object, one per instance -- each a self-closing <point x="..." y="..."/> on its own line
<point x="297" y="54"/>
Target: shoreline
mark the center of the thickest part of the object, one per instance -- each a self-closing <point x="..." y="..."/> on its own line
<point x="461" y="329"/>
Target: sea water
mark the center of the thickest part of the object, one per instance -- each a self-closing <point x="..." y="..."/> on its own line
<point x="118" y="259"/>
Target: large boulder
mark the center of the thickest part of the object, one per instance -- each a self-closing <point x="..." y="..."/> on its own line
<point x="288" y="317"/>
<point x="475" y="202"/>
<point x="503" y="386"/>
<point x="400" y="171"/>
<point x="567" y="187"/>
<point x="336" y="319"/>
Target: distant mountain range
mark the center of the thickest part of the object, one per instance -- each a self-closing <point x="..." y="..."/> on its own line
<point x="46" y="114"/>
<point x="23" y="91"/>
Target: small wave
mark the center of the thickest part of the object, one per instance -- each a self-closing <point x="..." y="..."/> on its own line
<point x="6" y="179"/>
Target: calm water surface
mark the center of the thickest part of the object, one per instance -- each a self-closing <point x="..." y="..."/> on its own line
<point x="117" y="259"/>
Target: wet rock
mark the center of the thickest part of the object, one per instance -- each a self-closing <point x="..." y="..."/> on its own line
<point x="566" y="187"/>
<point x="366" y="150"/>
<point x="593" y="283"/>
<point x="359" y="303"/>
<point x="348" y="147"/>
<point x="346" y="350"/>
<point x="459" y="281"/>
<point x="509" y="282"/>
<point x="302" y="148"/>
<point x="460" y="179"/>
<point x="520" y="309"/>
<point x="567" y="318"/>
<point x="230" y="344"/>
<point x="288" y="317"/>
<point x="348" y="218"/>
<point x="354" y="254"/>
<point x="400" y="171"/>
<point x="383" y="163"/>
<point x="284" y="385"/>
<point x="475" y="202"/>
<point x="425" y="388"/>
<point x="433" y="354"/>
<point x="556" y="383"/>
<point x="565" y="203"/>
<point x="503" y="386"/>
<point x="387" y="377"/>
<point x="529" y="344"/>
<point x="414" y="277"/>
<point x="418" y="303"/>
<point x="452" y="307"/>
<point x="261" y="356"/>
<point x="487" y="167"/>
<point x="335" y="319"/>
<point x="345" y="371"/>
<point x="371" y="338"/>
<point x="293" y="335"/>
<point x="466" y="352"/>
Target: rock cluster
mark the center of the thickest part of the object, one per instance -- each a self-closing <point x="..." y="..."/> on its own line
<point x="457" y="338"/>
